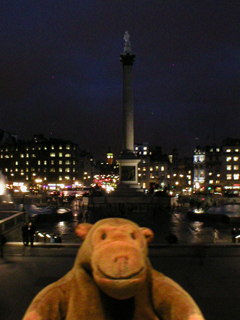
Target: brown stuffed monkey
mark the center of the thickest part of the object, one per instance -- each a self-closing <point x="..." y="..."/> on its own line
<point x="112" y="278"/>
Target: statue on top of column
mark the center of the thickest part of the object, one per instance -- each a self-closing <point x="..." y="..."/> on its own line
<point x="127" y="46"/>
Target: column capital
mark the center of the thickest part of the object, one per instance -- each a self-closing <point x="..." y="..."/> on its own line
<point x="127" y="59"/>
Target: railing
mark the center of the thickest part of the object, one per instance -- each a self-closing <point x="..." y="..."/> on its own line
<point x="12" y="221"/>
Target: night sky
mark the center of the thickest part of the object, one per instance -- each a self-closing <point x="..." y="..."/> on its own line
<point x="61" y="75"/>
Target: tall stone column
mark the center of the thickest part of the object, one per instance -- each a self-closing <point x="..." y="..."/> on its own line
<point x="128" y="162"/>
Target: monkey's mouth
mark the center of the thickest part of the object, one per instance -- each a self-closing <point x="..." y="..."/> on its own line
<point x="121" y="276"/>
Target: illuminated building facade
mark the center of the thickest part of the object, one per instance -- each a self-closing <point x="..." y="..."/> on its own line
<point x="231" y="165"/>
<point x="157" y="171"/>
<point x="44" y="160"/>
<point x="207" y="169"/>
<point x="110" y="157"/>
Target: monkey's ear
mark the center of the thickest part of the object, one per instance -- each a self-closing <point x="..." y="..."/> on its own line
<point x="82" y="230"/>
<point x="148" y="234"/>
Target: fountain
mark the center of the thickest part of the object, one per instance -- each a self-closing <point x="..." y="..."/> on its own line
<point x="6" y="203"/>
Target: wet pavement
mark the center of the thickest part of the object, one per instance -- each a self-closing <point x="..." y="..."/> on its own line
<point x="211" y="274"/>
<point x="205" y="263"/>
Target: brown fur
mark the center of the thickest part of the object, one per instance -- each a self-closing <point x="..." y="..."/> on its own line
<point x="112" y="279"/>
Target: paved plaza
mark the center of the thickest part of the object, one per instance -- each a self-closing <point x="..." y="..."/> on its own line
<point x="210" y="273"/>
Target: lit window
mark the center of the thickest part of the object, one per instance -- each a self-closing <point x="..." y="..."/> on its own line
<point x="144" y="153"/>
<point x="45" y="147"/>
<point x="210" y="173"/>
<point x="236" y="176"/>
<point x="52" y="147"/>
<point x="217" y="181"/>
<point x="68" y="147"/>
<point x="136" y="148"/>
<point x="52" y="162"/>
<point x="60" y="154"/>
<point x="45" y="162"/>
<point x="60" y="161"/>
<point x="229" y="177"/>
<point x="27" y="155"/>
<point x="218" y="149"/>
<point x="6" y="169"/>
<point x="22" y="155"/>
<point x="236" y="150"/>
<point x="16" y="169"/>
<point x="235" y="158"/>
<point x="228" y="159"/>
<point x="52" y="154"/>
<point x="6" y="149"/>
<point x="33" y="155"/>
<point x="16" y="163"/>
<point x="60" y="178"/>
<point x="228" y="150"/>
<point x="60" y="147"/>
<point x="6" y="156"/>
<point x="229" y="167"/>
<point x="67" y="155"/>
<point x="151" y="169"/>
<point x="67" y="177"/>
<point x="52" y="170"/>
<point x="27" y="170"/>
<point x="162" y="168"/>
<point x="67" y="162"/>
<point x="39" y="162"/>
<point x="236" y="167"/>
<point x="67" y="169"/>
<point x="144" y="148"/>
<point x="74" y="162"/>
<point x="210" y="181"/>
<point x="144" y="168"/>
<point x="60" y="170"/>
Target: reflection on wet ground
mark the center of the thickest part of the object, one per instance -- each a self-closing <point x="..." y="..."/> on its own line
<point x="161" y="222"/>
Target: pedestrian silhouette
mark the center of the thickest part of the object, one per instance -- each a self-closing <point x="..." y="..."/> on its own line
<point x="25" y="234"/>
<point x="3" y="240"/>
<point x="31" y="232"/>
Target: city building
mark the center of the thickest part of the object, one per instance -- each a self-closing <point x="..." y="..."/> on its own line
<point x="207" y="163"/>
<point x="158" y="171"/>
<point x="231" y="166"/>
<point x="43" y="162"/>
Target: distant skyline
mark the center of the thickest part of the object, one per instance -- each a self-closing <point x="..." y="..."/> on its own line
<point x="61" y="74"/>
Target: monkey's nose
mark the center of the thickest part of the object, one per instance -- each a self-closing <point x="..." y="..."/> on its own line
<point x="121" y="264"/>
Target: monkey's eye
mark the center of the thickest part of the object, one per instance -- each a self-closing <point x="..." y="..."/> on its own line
<point x="103" y="236"/>
<point x="133" y="235"/>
